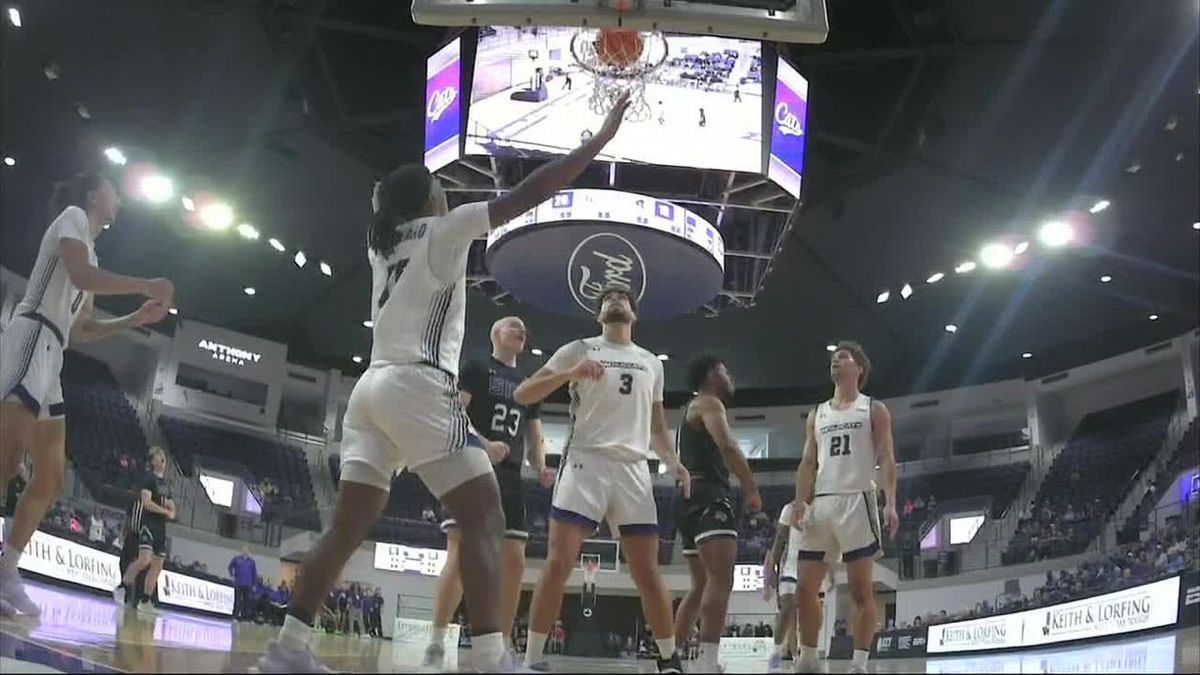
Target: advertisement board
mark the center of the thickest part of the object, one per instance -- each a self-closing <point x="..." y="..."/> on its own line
<point x="745" y="648"/>
<point x="899" y="644"/>
<point x="68" y="561"/>
<point x="1143" y="607"/>
<point x="181" y="590"/>
<point x="993" y="632"/>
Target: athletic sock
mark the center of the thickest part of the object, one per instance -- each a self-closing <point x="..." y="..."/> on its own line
<point x="808" y="657"/>
<point x="666" y="647"/>
<point x="10" y="558"/>
<point x="860" y="657"/>
<point x="534" y="645"/>
<point x="486" y="650"/>
<point x="296" y="635"/>
<point x="780" y="649"/>
<point x="439" y="636"/>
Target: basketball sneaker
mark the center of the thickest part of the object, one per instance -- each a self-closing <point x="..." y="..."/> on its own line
<point x="435" y="654"/>
<point x="12" y="592"/>
<point x="280" y="660"/>
<point x="670" y="665"/>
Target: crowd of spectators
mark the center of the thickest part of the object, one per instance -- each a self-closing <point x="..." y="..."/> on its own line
<point x="353" y="608"/>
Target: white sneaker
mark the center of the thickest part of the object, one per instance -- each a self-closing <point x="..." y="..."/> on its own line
<point x="12" y="592"/>
<point x="279" y="660"/>
<point x="118" y="594"/>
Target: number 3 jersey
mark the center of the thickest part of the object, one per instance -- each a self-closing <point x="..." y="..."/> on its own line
<point x="492" y="410"/>
<point x="845" y="448"/>
<point x="612" y="414"/>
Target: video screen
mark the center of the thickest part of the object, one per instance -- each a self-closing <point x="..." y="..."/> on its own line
<point x="442" y="75"/>
<point x="789" y="121"/>
<point x="219" y="490"/>
<point x="530" y="97"/>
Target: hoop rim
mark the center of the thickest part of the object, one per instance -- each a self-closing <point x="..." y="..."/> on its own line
<point x="635" y="70"/>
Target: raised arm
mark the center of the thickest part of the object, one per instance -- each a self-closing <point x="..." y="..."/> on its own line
<point x="554" y="176"/>
<point x="806" y="474"/>
<point x="716" y="423"/>
<point x="881" y="430"/>
<point x="87" y="277"/>
<point x="568" y="363"/>
<point x="89" y="329"/>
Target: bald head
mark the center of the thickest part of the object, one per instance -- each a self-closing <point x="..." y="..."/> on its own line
<point x="508" y="338"/>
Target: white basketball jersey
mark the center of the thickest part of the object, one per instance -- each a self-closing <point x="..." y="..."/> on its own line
<point x="845" y="448"/>
<point x="50" y="291"/>
<point x="793" y="544"/>
<point x="418" y="291"/>
<point x="612" y="414"/>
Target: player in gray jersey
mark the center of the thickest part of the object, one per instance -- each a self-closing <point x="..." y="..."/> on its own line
<point x="57" y="309"/>
<point x="836" y="503"/>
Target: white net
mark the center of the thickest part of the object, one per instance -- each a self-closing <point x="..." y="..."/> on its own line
<point x="628" y="72"/>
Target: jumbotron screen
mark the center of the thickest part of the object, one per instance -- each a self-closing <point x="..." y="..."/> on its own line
<point x="529" y="96"/>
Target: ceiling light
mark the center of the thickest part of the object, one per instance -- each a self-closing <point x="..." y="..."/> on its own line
<point x="883" y="297"/>
<point x="951" y="328"/>
<point x="216" y="216"/>
<point x="831" y="348"/>
<point x="115" y="156"/>
<point x="173" y="311"/>
<point x="356" y="358"/>
<point x="906" y="291"/>
<point x="1105" y="279"/>
<point x="249" y="290"/>
<point x="188" y="204"/>
<point x="1154" y="317"/>
<point x="300" y="259"/>
<point x="247" y="231"/>
<point x="9" y="161"/>
<point x="663" y="357"/>
<point x="1179" y="156"/>
<point x="536" y="351"/>
<point x="1056" y="233"/>
<point x="935" y="277"/>
<point x="82" y="111"/>
<point x="1027" y="355"/>
<point x="326" y="269"/>
<point x="1172" y="123"/>
<point x="52" y="70"/>
<point x="14" y="17"/>
<point x="276" y="244"/>
<point x="157" y="189"/>
<point x="1021" y="248"/>
<point x="1195" y="226"/>
<point x="368" y="324"/>
<point x="1133" y="167"/>
<point x="965" y="267"/>
<point x="996" y="256"/>
<point x="1100" y="206"/>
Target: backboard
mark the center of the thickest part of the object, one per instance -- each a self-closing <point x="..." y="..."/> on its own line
<point x="802" y="21"/>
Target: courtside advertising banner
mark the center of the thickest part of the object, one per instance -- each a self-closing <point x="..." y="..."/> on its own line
<point x="1189" y="599"/>
<point x="193" y="593"/>
<point x="745" y="648"/>
<point x="1143" y="607"/>
<point x="995" y="632"/>
<point x="64" y="560"/>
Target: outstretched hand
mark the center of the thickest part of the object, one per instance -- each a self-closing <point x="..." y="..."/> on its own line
<point x="615" y="116"/>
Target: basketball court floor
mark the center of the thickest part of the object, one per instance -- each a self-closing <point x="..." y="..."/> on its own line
<point x="80" y="632"/>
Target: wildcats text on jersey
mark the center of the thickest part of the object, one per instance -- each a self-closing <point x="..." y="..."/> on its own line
<point x="843" y="426"/>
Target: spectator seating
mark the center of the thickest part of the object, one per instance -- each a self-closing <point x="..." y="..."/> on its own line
<point x="1182" y="458"/>
<point x="1090" y="477"/>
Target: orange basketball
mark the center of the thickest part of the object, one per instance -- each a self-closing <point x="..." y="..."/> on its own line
<point x="619" y="47"/>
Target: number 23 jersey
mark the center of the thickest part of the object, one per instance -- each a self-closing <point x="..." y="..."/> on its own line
<point x="612" y="414"/>
<point x="492" y="410"/>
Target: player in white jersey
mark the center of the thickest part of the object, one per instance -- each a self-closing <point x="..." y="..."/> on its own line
<point x="405" y="410"/>
<point x="836" y="502"/>
<point x="57" y="307"/>
<point x="617" y="417"/>
<point x="780" y="572"/>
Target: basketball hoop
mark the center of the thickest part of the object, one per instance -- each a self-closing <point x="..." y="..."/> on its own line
<point x="620" y="60"/>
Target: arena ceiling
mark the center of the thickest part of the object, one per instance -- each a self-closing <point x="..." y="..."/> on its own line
<point x="935" y="126"/>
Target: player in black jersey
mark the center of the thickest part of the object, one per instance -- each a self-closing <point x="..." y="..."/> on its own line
<point x="486" y="388"/>
<point x="146" y="530"/>
<point x="707" y="521"/>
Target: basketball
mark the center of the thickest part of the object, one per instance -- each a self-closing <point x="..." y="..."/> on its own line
<point x="619" y="47"/>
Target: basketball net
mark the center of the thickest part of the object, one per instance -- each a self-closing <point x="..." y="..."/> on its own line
<point x="610" y="80"/>
<point x="590" y="567"/>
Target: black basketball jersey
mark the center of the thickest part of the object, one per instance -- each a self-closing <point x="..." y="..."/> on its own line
<point x="700" y="454"/>
<point x="492" y="410"/>
<point x="160" y="492"/>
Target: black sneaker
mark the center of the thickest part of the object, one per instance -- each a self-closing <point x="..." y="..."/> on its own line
<point x="671" y="665"/>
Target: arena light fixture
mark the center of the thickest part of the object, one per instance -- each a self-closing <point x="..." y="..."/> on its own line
<point x="157" y="189"/>
<point x="173" y="311"/>
<point x="326" y="269"/>
<point x="1027" y="355"/>
<point x="188" y="204"/>
<point x="14" y="17"/>
<point x="276" y="244"/>
<point x="996" y="255"/>
<point x="249" y="290"/>
<point x="965" y="267"/>
<point x="368" y="324"/>
<point x="115" y="156"/>
<point x="906" y="291"/>
<point x="883" y="297"/>
<point x="1056" y="233"/>
<point x="300" y="259"/>
<point x="216" y="216"/>
<point x="831" y="348"/>
<point x="1105" y="279"/>
<point x="1195" y="226"/>
<point x="935" y="277"/>
<point x="356" y="358"/>
<point x="1100" y="206"/>
<point x="1154" y="317"/>
<point x="248" y="231"/>
<point x="664" y="357"/>
<point x="536" y="351"/>
<point x="9" y="161"/>
<point x="1021" y="248"/>
<point x="951" y="328"/>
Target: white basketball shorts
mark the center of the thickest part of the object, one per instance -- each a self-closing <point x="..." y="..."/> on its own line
<point x="592" y="486"/>
<point x="409" y="416"/>
<point x="841" y="527"/>
<point x="787" y="573"/>
<point x="31" y="358"/>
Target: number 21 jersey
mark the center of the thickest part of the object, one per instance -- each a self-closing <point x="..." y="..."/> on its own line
<point x="845" y="448"/>
<point x="492" y="410"/>
<point x="612" y="414"/>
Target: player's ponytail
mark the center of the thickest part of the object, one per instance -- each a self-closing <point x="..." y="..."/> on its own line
<point x="74" y="192"/>
<point x="400" y="197"/>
